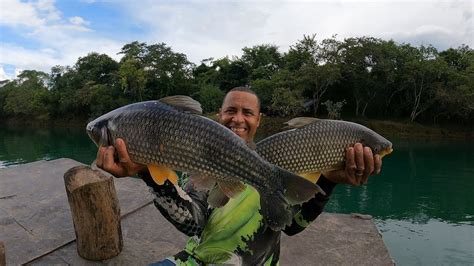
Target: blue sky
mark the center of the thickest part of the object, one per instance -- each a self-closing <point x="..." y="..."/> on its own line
<point x="40" y="34"/>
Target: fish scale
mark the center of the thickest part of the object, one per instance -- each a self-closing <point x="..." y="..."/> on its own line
<point x="319" y="145"/>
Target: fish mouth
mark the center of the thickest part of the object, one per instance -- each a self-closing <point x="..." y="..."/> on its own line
<point x="386" y="151"/>
<point x="98" y="134"/>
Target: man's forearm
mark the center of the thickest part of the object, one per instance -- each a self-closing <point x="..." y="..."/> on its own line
<point x="188" y="217"/>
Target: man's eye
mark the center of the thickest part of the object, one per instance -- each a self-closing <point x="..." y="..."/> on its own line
<point x="248" y="113"/>
<point x="230" y="112"/>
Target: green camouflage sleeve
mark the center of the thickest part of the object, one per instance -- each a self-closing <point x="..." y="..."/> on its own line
<point x="189" y="217"/>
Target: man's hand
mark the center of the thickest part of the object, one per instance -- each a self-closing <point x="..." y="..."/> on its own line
<point x="360" y="163"/>
<point x="124" y="166"/>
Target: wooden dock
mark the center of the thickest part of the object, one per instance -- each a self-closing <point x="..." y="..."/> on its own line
<point x="36" y="226"/>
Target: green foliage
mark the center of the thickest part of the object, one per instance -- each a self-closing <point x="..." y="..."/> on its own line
<point x="286" y="102"/>
<point x="133" y="79"/>
<point x="262" y="61"/>
<point x="28" y="97"/>
<point x="210" y="97"/>
<point x="334" y="109"/>
<point x="378" y="78"/>
<point x="264" y="89"/>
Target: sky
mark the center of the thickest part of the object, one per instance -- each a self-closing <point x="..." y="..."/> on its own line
<point x="39" y="34"/>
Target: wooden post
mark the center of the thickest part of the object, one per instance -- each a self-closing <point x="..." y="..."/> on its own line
<point x="3" y="260"/>
<point x="95" y="213"/>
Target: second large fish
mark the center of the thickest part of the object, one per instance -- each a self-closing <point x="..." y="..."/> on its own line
<point x="317" y="145"/>
<point x="168" y="134"/>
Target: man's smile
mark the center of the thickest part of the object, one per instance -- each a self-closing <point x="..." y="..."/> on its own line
<point x="238" y="129"/>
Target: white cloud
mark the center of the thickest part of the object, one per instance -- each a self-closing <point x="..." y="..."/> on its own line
<point x="47" y="9"/>
<point x="78" y="21"/>
<point x="57" y="41"/>
<point x="15" y="13"/>
<point x="215" y="29"/>
<point x="203" y="29"/>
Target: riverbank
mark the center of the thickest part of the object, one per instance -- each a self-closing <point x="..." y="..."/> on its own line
<point x="389" y="129"/>
<point x="270" y="125"/>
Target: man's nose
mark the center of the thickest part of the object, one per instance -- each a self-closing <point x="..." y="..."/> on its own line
<point x="238" y="117"/>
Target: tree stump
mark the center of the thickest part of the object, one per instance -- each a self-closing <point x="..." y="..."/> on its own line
<point x="95" y="213"/>
<point x="3" y="260"/>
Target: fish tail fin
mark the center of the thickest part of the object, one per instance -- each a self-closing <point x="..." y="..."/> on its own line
<point x="288" y="189"/>
<point x="275" y="210"/>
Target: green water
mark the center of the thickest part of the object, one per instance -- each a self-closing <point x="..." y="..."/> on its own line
<point x="422" y="203"/>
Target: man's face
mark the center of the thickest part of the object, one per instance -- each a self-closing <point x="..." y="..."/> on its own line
<point x="241" y="114"/>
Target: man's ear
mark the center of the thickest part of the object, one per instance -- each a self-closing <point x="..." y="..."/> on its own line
<point x="259" y="118"/>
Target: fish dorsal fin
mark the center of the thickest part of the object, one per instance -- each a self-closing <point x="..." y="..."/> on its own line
<point x="298" y="122"/>
<point x="231" y="188"/>
<point x="313" y="177"/>
<point x="161" y="173"/>
<point x="183" y="103"/>
<point x="217" y="198"/>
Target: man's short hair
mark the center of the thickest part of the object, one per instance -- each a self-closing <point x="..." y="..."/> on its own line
<point x="245" y="89"/>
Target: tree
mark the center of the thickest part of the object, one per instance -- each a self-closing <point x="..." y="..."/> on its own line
<point x="422" y="75"/>
<point x="99" y="68"/>
<point x="165" y="71"/>
<point x="210" y="97"/>
<point x="29" y="96"/>
<point x="262" y="61"/>
<point x="315" y="65"/>
<point x="133" y="79"/>
<point x="223" y="73"/>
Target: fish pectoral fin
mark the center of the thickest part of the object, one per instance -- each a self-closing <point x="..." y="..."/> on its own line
<point x="217" y="198"/>
<point x="313" y="177"/>
<point x="183" y="103"/>
<point x="298" y="122"/>
<point x="231" y="188"/>
<point x="202" y="182"/>
<point x="161" y="173"/>
<point x="298" y="189"/>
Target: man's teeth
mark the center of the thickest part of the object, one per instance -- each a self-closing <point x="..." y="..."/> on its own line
<point x="237" y="129"/>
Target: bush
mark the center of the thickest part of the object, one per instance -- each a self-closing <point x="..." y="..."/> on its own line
<point x="334" y="109"/>
<point x="211" y="98"/>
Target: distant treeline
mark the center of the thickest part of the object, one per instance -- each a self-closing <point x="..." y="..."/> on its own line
<point x="364" y="77"/>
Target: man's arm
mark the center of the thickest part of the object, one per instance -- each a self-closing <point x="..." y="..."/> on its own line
<point x="360" y="164"/>
<point x="189" y="217"/>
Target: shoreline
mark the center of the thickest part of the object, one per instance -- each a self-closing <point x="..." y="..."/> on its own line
<point x="271" y="124"/>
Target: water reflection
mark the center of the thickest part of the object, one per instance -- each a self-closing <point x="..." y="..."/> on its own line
<point x="422" y="202"/>
<point x="419" y="182"/>
<point x="21" y="145"/>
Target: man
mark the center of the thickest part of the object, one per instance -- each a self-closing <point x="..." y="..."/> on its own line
<point x="236" y="231"/>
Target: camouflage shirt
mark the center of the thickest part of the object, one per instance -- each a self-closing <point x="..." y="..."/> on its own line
<point x="234" y="233"/>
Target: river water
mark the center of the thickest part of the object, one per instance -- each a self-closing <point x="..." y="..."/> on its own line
<point x="422" y="202"/>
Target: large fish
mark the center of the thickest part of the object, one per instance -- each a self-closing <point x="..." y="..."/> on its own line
<point x="169" y="134"/>
<point x="316" y="145"/>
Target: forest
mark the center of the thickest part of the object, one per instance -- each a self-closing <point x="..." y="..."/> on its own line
<point x="362" y="77"/>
